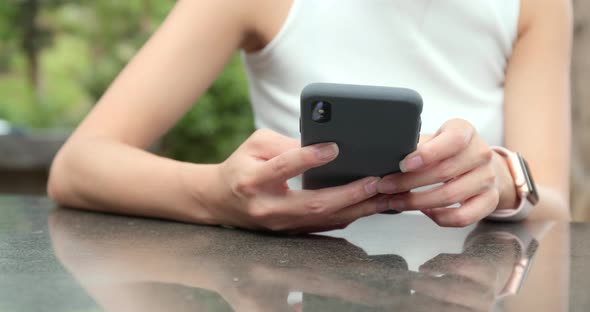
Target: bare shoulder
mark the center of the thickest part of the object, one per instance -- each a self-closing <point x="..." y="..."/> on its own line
<point x="557" y="13"/>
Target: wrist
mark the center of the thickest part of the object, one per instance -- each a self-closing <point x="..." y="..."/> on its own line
<point x="505" y="184"/>
<point x="201" y="191"/>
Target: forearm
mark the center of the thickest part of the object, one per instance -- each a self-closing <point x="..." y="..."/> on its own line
<point x="552" y="205"/>
<point x="104" y="175"/>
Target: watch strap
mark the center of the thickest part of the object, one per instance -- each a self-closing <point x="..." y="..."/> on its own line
<point x="524" y="208"/>
<point x="513" y="215"/>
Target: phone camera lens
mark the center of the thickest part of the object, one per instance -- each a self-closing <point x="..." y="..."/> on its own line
<point x="322" y="112"/>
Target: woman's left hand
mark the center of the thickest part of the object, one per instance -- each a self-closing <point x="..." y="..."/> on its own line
<point x="460" y="159"/>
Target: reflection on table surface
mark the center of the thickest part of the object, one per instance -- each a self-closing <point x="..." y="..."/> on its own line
<point x="383" y="263"/>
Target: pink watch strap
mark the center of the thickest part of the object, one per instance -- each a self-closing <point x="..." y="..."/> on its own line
<point x="525" y="206"/>
<point x="513" y="215"/>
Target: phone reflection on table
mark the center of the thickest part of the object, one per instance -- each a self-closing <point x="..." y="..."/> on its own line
<point x="129" y="264"/>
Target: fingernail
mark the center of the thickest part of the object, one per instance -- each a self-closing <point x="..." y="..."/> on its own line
<point x="411" y="164"/>
<point x="326" y="151"/>
<point x="397" y="204"/>
<point x="371" y="186"/>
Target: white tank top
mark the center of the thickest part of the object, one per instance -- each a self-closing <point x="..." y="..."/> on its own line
<point x="453" y="52"/>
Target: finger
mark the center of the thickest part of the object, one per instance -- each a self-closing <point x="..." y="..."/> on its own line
<point x="454" y="290"/>
<point x="369" y="207"/>
<point x="296" y="161"/>
<point x="473" y="157"/>
<point x="316" y="205"/>
<point x="453" y="137"/>
<point x="346" y="216"/>
<point x="267" y="144"/>
<point x="473" y="268"/>
<point x="456" y="191"/>
<point x="472" y="210"/>
<point x="308" y="210"/>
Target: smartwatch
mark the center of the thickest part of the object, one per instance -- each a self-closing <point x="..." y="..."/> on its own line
<point x="524" y="184"/>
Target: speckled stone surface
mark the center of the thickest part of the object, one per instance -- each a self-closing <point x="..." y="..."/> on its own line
<point x="55" y="259"/>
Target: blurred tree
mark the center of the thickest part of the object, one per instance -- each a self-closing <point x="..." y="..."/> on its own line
<point x="8" y="15"/>
<point x="57" y="57"/>
<point x="22" y="25"/>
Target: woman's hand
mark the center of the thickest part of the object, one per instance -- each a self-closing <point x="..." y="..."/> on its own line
<point x="253" y="193"/>
<point x="470" y="172"/>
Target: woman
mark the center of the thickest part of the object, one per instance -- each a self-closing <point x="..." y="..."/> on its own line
<point x="491" y="73"/>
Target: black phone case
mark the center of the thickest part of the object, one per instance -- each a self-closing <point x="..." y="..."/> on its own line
<point x="374" y="127"/>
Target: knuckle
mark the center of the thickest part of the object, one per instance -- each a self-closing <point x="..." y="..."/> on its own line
<point x="490" y="176"/>
<point x="450" y="195"/>
<point x="427" y="152"/>
<point x="387" y="184"/>
<point x="457" y="140"/>
<point x="280" y="165"/>
<point x="261" y="212"/>
<point x="437" y="220"/>
<point x="255" y="144"/>
<point x="316" y="204"/>
<point x="357" y="194"/>
<point x="402" y="185"/>
<point x="446" y="171"/>
<point x="245" y="186"/>
<point x="257" y="213"/>
<point x="257" y="136"/>
<point x="371" y="209"/>
<point x="256" y="140"/>
<point x="461" y="219"/>
<point x="494" y="197"/>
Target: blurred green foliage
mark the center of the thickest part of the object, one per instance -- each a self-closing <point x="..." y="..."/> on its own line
<point x="218" y="124"/>
<point x="57" y="57"/>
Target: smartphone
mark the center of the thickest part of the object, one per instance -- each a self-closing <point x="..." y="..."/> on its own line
<point x="375" y="128"/>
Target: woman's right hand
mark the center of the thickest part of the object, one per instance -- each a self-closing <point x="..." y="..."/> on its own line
<point x="251" y="189"/>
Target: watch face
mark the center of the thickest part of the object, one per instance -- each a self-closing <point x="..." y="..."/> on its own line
<point x="533" y="196"/>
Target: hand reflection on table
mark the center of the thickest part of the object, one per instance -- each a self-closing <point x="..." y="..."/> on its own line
<point x="129" y="264"/>
<point x="493" y="265"/>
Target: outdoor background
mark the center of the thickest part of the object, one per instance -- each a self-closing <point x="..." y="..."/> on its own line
<point x="57" y="57"/>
